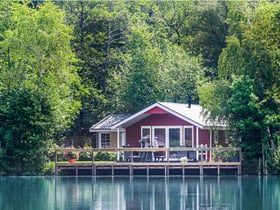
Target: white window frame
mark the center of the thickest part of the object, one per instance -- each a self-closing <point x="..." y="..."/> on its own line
<point x="183" y="137"/>
<point x="100" y="139"/>
<point x="150" y="129"/>
<point x="216" y="136"/>
<point x="226" y="138"/>
<point x="167" y="133"/>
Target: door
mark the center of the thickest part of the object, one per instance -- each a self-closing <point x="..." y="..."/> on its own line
<point x="159" y="137"/>
<point x="174" y="137"/>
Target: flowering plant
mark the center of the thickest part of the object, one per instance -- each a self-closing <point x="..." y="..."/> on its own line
<point x="71" y="155"/>
<point x="184" y="159"/>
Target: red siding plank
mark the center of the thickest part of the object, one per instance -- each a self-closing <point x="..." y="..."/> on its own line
<point x="156" y="110"/>
<point x="133" y="133"/>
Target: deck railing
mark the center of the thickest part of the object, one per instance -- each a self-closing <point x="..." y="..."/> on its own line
<point x="174" y="154"/>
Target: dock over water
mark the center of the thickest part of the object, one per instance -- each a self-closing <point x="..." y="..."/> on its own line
<point x="153" y="161"/>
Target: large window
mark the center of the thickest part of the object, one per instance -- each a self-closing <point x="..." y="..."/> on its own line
<point x="145" y="136"/>
<point x="216" y="137"/>
<point x="159" y="137"/>
<point x="105" y="140"/>
<point x="167" y="136"/>
<point x="188" y="134"/>
<point x="174" y="137"/>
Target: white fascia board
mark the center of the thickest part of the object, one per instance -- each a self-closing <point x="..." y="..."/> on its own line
<point x="106" y="130"/>
<point x="171" y="111"/>
<point x="134" y="115"/>
<point x="165" y="109"/>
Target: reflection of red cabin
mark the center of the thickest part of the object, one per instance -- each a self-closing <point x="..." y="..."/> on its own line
<point x="161" y="124"/>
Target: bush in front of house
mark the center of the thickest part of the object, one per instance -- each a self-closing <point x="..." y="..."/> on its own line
<point x="85" y="156"/>
<point x="105" y="156"/>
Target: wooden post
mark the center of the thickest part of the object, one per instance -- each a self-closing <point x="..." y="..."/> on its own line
<point x="56" y="167"/>
<point x="166" y="170"/>
<point x="92" y="156"/>
<point x="55" y="157"/>
<point x="201" y="170"/>
<point x="130" y="170"/>
<point x="92" y="170"/>
<point x="239" y="170"/>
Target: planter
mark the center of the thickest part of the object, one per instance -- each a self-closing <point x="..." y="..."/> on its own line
<point x="72" y="160"/>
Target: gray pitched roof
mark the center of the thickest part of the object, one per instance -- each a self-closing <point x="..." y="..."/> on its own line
<point x="108" y="122"/>
<point x="191" y="114"/>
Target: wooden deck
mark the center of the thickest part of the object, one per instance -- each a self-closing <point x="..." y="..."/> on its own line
<point x="166" y="164"/>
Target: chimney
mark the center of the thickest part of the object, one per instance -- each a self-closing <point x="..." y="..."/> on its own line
<point x="189" y="102"/>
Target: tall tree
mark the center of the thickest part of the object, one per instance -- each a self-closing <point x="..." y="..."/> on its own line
<point x="39" y="87"/>
<point x="253" y="51"/>
<point x="198" y="26"/>
<point x="141" y="87"/>
<point x="99" y="38"/>
<point x="180" y="75"/>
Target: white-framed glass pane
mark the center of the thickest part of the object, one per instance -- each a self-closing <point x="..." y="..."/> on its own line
<point x="216" y="137"/>
<point x="188" y="137"/>
<point x="105" y="140"/>
<point x="146" y="137"/>
<point x="159" y="137"/>
<point x="174" y="137"/>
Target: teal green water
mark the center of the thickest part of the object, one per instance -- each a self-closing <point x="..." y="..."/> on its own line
<point x="139" y="193"/>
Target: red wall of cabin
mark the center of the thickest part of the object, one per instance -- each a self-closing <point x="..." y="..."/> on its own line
<point x="133" y="133"/>
<point x="204" y="137"/>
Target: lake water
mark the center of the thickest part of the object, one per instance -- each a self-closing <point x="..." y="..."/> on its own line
<point x="139" y="193"/>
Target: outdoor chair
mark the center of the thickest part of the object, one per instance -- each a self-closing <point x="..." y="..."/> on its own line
<point x="202" y="155"/>
<point x="159" y="156"/>
<point x="127" y="156"/>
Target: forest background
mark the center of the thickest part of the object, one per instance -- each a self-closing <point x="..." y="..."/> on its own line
<point x="64" y="65"/>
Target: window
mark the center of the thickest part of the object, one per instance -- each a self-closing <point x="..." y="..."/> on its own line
<point x="226" y="138"/>
<point x="188" y="136"/>
<point x="159" y="136"/>
<point x="105" y="140"/>
<point x="174" y="137"/>
<point x="216" y="137"/>
<point x="145" y="136"/>
<point x="167" y="136"/>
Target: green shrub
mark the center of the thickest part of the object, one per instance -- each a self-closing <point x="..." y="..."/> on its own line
<point x="85" y="156"/>
<point x="105" y="156"/>
<point x="49" y="168"/>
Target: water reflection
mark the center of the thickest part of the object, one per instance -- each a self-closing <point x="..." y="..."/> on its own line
<point x="139" y="193"/>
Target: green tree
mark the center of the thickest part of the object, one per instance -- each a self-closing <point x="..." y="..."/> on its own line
<point x="99" y="38"/>
<point x="141" y="85"/>
<point x="245" y="117"/>
<point x="253" y="51"/>
<point x="39" y="87"/>
<point x="180" y="75"/>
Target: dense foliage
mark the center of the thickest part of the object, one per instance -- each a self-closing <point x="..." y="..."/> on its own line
<point x="249" y="73"/>
<point x="73" y="62"/>
<point x="39" y="88"/>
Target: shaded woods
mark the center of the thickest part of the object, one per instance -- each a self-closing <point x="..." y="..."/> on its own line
<point x="67" y="64"/>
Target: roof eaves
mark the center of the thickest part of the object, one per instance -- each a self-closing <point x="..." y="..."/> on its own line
<point x="174" y="112"/>
<point x="97" y="127"/>
<point x="101" y="121"/>
<point x="135" y="115"/>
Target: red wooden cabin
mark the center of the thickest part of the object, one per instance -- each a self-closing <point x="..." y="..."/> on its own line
<point x="162" y="124"/>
